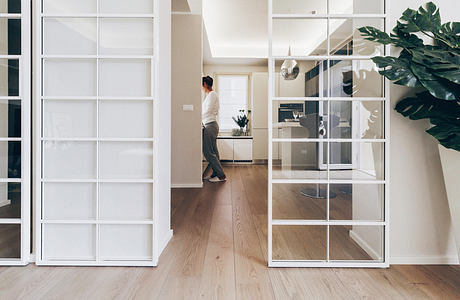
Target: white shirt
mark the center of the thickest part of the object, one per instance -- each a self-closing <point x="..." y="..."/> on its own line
<point x="210" y="108"/>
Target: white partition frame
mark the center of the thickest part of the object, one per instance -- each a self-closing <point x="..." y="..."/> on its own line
<point x="39" y="153"/>
<point x="384" y="261"/>
<point x="25" y="98"/>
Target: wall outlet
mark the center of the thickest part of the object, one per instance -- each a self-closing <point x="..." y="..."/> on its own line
<point x="187" y="107"/>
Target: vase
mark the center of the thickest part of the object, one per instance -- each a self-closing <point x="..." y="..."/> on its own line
<point x="450" y="161"/>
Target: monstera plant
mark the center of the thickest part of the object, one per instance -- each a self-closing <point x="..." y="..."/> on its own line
<point x="434" y="68"/>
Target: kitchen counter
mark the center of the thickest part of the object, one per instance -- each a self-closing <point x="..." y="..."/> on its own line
<point x="287" y="125"/>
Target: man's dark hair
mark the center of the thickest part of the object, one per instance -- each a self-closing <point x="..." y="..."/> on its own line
<point x="208" y="80"/>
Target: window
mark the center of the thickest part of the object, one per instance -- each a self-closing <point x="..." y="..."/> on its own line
<point x="233" y="93"/>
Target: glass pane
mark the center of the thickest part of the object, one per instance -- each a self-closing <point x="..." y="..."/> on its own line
<point x="300" y="119"/>
<point x="299" y="7"/>
<point x="10" y="6"/>
<point x="69" y="6"/>
<point x="69" y="36"/>
<point x="10" y="36"/>
<point x="299" y="201"/>
<point x="126" y="36"/>
<point x="347" y="40"/>
<point x="127" y="78"/>
<point x="10" y="247"/>
<point x="233" y="97"/>
<point x="69" y="201"/>
<point x="9" y="77"/>
<point x="304" y="36"/>
<point x="355" y="78"/>
<point x="299" y="242"/>
<point x="10" y="200"/>
<point x="126" y="119"/>
<point x="69" y="241"/>
<point x="356" y="7"/>
<point x="69" y="77"/>
<point x="127" y="201"/>
<point x="124" y="160"/>
<point x="357" y="119"/>
<point x="69" y="160"/>
<point x="299" y="160"/>
<point x="126" y="242"/>
<point x="357" y="161"/>
<point x="10" y="159"/>
<point x="358" y="202"/>
<point x="69" y="118"/>
<point x="311" y="81"/>
<point x="126" y="7"/>
<point x="10" y="118"/>
<point x="356" y="242"/>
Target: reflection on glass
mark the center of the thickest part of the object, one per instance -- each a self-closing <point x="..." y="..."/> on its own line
<point x="126" y="7"/>
<point x="358" y="202"/>
<point x="356" y="7"/>
<point x="299" y="7"/>
<point x="306" y="37"/>
<point x="68" y="36"/>
<point x="10" y="159"/>
<point x="10" y="199"/>
<point x="299" y="242"/>
<point x="10" y="118"/>
<point x="10" y="241"/>
<point x="299" y="201"/>
<point x="357" y="119"/>
<point x="299" y="160"/>
<point x="10" y="36"/>
<point x="10" y="6"/>
<point x="355" y="78"/>
<point x="9" y="77"/>
<point x="347" y="40"/>
<point x="357" y="161"/>
<point x="347" y="242"/>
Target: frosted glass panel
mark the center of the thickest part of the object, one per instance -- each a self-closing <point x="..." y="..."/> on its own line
<point x="69" y="242"/>
<point x="69" y="6"/>
<point x="126" y="36"/>
<point x="126" y="7"/>
<point x="299" y="7"/>
<point x="70" y="36"/>
<point x="69" y="160"/>
<point x="69" y="201"/>
<point x="130" y="77"/>
<point x="70" y="77"/>
<point x="70" y="118"/>
<point x="123" y="119"/>
<point x="127" y="201"/>
<point x="124" y="160"/>
<point x="356" y="6"/>
<point x="125" y="242"/>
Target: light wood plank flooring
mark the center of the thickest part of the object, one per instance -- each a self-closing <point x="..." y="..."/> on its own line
<point x="219" y="251"/>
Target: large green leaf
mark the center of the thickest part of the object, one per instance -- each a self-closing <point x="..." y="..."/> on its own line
<point x="397" y="69"/>
<point x="435" y="85"/>
<point x="447" y="132"/>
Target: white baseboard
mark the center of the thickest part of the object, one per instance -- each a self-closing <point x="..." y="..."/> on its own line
<point x="364" y="245"/>
<point x="424" y="260"/>
<point x="187" y="185"/>
<point x="5" y="203"/>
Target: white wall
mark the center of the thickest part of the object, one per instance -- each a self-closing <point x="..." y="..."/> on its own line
<point x="421" y="230"/>
<point x="187" y="63"/>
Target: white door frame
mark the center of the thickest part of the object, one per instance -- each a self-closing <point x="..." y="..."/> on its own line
<point x="384" y="262"/>
<point x="24" y="97"/>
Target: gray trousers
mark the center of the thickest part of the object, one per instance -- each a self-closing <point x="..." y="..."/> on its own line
<point x="210" y="151"/>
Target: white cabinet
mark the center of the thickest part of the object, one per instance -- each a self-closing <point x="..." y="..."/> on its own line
<point x="235" y="149"/>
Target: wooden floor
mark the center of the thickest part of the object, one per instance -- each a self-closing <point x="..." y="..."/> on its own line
<point x="219" y="251"/>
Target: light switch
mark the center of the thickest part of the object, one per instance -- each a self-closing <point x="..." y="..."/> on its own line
<point x="187" y="107"/>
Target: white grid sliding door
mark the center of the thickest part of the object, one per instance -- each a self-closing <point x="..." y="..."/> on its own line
<point x="328" y="173"/>
<point x="97" y="92"/>
<point x="14" y="132"/>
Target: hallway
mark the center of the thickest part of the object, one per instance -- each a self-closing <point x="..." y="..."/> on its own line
<point x="219" y="251"/>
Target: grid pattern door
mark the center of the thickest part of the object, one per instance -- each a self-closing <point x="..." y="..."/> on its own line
<point x="97" y="105"/>
<point x="328" y="166"/>
<point x="14" y="132"/>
